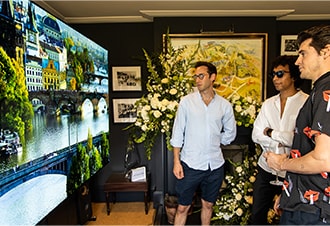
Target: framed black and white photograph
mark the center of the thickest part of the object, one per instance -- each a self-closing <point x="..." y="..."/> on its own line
<point x="126" y="78"/>
<point x="124" y="110"/>
<point x="289" y="45"/>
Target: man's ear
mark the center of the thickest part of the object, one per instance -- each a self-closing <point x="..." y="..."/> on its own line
<point x="213" y="76"/>
<point x="325" y="52"/>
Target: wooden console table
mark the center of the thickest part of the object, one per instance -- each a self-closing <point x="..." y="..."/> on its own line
<point x="118" y="183"/>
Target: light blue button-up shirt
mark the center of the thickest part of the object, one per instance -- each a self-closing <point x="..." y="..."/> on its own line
<point x="199" y="129"/>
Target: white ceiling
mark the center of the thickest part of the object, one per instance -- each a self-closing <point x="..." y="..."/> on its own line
<point x="123" y="11"/>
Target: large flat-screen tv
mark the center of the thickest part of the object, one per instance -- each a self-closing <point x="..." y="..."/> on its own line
<point x="54" y="119"/>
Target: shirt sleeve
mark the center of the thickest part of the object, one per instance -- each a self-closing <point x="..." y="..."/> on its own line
<point x="259" y="125"/>
<point x="177" y="138"/>
<point x="283" y="137"/>
<point x="229" y="126"/>
<point x="321" y="111"/>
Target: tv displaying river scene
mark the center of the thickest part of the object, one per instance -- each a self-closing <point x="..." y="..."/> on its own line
<point x="54" y="111"/>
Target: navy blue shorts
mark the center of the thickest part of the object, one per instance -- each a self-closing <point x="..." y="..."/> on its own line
<point x="209" y="182"/>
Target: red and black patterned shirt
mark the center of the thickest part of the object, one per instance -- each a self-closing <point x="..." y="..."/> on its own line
<point x="310" y="192"/>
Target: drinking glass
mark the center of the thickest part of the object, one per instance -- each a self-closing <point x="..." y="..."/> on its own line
<point x="278" y="150"/>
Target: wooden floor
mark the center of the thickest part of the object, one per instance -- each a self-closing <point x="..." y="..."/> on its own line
<point x="122" y="213"/>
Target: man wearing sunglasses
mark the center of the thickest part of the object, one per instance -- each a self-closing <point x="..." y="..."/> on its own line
<point x="305" y="199"/>
<point x="204" y="120"/>
<point x="274" y="126"/>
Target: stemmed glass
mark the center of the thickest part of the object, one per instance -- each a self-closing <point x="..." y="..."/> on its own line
<point x="278" y="150"/>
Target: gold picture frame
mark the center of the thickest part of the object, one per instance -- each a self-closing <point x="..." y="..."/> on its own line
<point x="240" y="58"/>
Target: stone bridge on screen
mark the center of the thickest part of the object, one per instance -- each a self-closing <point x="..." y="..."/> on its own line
<point x="57" y="162"/>
<point x="72" y="101"/>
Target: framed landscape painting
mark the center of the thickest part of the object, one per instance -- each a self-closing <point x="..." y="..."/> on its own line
<point x="240" y="59"/>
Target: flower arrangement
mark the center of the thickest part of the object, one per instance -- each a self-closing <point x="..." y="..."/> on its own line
<point x="235" y="201"/>
<point x="245" y="109"/>
<point x="168" y="82"/>
<point x="234" y="204"/>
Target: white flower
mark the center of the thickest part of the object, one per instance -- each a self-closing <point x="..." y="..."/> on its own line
<point x="249" y="199"/>
<point x="157" y="114"/>
<point x="144" y="114"/>
<point x="165" y="102"/>
<point x="173" y="91"/>
<point x="239" y="169"/>
<point x="238" y="197"/>
<point x="144" y="127"/>
<point x="154" y="103"/>
<point x="249" y="99"/>
<point x="238" y="108"/>
<point x="164" y="80"/>
<point x="252" y="179"/>
<point x="239" y="212"/>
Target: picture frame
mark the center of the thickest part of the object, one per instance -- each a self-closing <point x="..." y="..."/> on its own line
<point x="240" y="58"/>
<point x="124" y="110"/>
<point x="289" y="45"/>
<point x="126" y="78"/>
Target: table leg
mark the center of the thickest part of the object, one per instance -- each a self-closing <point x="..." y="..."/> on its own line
<point x="146" y="204"/>
<point x="107" y="201"/>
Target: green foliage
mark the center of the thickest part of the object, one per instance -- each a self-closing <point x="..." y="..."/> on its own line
<point x="79" y="170"/>
<point x="89" y="146"/>
<point x="74" y="176"/>
<point x="105" y="148"/>
<point x="86" y="162"/>
<point x="80" y="61"/>
<point x="95" y="161"/>
<point x="16" y="110"/>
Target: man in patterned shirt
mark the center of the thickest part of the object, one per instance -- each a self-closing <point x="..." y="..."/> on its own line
<point x="305" y="198"/>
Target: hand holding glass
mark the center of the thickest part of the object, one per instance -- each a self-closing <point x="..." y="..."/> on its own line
<point x="278" y="150"/>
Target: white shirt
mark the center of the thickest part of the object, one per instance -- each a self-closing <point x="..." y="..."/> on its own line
<point x="283" y="128"/>
<point x="199" y="129"/>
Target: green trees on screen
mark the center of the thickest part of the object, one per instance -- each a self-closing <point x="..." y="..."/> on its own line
<point x="87" y="161"/>
<point x="16" y="110"/>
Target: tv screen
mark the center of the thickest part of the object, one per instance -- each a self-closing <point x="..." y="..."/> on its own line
<point x="53" y="111"/>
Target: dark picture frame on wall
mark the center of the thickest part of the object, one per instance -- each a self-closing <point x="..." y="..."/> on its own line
<point x="241" y="59"/>
<point x="126" y="78"/>
<point x="124" y="110"/>
<point x="289" y="45"/>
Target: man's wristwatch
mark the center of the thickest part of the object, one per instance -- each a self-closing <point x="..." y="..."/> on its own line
<point x="269" y="132"/>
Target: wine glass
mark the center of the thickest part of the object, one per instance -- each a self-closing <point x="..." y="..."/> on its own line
<point x="278" y="150"/>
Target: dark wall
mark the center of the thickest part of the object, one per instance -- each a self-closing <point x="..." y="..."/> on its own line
<point x="125" y="43"/>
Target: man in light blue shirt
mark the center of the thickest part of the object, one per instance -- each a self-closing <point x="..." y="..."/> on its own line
<point x="204" y="120"/>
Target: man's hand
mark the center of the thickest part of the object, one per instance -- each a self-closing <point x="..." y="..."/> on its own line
<point x="275" y="161"/>
<point x="178" y="170"/>
<point x="277" y="208"/>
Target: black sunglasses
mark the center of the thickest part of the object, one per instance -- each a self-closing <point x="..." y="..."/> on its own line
<point x="279" y="74"/>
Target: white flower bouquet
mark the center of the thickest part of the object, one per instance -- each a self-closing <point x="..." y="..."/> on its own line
<point x="245" y="109"/>
<point x="169" y="80"/>
<point x="235" y="200"/>
<point x="234" y="204"/>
